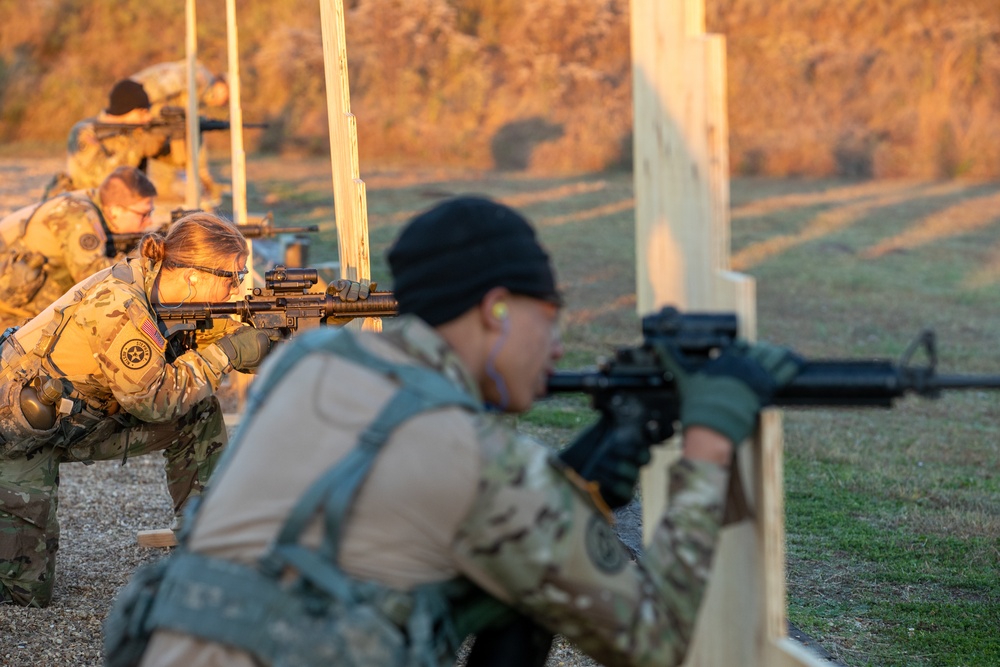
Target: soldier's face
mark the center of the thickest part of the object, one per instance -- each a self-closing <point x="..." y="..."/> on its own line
<point x="528" y="345"/>
<point x="217" y="95"/>
<point x="136" y="217"/>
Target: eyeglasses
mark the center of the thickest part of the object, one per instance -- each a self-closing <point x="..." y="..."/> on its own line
<point x="143" y="215"/>
<point x="235" y="276"/>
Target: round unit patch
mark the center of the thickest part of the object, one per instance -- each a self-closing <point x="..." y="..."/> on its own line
<point x="89" y="242"/>
<point x="136" y="353"/>
<point x="603" y="547"/>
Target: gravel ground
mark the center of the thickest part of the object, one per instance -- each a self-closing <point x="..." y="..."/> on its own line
<point x="101" y="508"/>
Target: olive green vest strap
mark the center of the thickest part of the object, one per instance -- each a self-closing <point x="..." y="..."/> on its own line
<point x="221" y="601"/>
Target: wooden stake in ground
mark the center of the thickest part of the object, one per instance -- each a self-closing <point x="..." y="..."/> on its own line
<point x="238" y="154"/>
<point x="682" y="259"/>
<point x="192" y="188"/>
<point x="238" y="161"/>
<point x="350" y="200"/>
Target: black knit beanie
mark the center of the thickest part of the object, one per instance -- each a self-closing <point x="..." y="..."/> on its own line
<point x="125" y="96"/>
<point x="448" y="257"/>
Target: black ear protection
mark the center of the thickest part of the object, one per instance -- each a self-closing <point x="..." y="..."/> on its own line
<point x="500" y="310"/>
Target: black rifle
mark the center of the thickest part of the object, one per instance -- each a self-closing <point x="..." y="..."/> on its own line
<point x="636" y="375"/>
<point x="125" y="242"/>
<point x="283" y="303"/>
<point x="697" y="337"/>
<point x="172" y="121"/>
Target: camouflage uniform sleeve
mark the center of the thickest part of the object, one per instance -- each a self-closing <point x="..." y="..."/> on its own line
<point x="130" y="352"/>
<point x="536" y="541"/>
<point x="84" y="242"/>
<point x="91" y="159"/>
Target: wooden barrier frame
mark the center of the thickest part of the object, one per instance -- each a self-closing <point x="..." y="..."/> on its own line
<point x="681" y="165"/>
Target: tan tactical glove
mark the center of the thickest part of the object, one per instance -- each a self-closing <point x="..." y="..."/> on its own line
<point x="350" y="290"/>
<point x="247" y="346"/>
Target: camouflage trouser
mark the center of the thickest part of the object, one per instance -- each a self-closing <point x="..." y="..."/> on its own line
<point x="29" y="531"/>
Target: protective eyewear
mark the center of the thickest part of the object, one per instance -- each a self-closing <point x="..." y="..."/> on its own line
<point x="235" y="276"/>
<point x="143" y="215"/>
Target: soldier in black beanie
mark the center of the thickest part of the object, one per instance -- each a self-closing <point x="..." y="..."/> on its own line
<point x="94" y="150"/>
<point x="378" y="511"/>
<point x="450" y="256"/>
<point x="125" y="96"/>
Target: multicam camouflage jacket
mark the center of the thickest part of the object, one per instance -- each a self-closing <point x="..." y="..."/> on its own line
<point x="102" y="341"/>
<point x="47" y="248"/>
<point x="166" y="83"/>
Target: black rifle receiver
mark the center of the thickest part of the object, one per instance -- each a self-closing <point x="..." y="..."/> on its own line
<point x="283" y="303"/>
<point x="700" y="336"/>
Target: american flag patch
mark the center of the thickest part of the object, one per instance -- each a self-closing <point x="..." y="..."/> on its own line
<point x="147" y="327"/>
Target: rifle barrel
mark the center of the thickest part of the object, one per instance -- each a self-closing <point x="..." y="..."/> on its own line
<point x="378" y="304"/>
<point x="945" y="382"/>
<point x="125" y="241"/>
<point x="256" y="231"/>
<point x="834" y="383"/>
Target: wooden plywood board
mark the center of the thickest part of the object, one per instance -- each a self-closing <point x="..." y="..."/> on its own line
<point x="682" y="258"/>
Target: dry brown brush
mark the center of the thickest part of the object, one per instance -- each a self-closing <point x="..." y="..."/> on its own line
<point x="889" y="88"/>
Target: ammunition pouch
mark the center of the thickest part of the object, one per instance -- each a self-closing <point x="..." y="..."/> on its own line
<point x="28" y="422"/>
<point x="17" y="436"/>
<point x="18" y="372"/>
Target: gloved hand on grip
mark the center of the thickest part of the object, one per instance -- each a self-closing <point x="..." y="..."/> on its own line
<point x="726" y="393"/>
<point x="351" y="290"/>
<point x="613" y="451"/>
<point x="247" y="346"/>
<point x="220" y="327"/>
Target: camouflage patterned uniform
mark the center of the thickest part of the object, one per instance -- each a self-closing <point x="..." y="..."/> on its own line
<point x="125" y="397"/>
<point x="454" y="495"/>
<point x="69" y="233"/>
<point x="93" y="154"/>
<point x="166" y="84"/>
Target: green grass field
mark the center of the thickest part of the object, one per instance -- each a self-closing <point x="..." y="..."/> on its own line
<point x="893" y="516"/>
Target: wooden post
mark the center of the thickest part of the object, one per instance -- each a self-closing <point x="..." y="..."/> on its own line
<point x="682" y="258"/>
<point x="349" y="197"/>
<point x="238" y="162"/>
<point x="238" y="154"/>
<point x="192" y="190"/>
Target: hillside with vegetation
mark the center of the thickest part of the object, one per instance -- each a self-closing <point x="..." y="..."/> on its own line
<point x="885" y="89"/>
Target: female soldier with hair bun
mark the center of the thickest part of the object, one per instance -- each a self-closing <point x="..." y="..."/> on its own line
<point x="92" y="378"/>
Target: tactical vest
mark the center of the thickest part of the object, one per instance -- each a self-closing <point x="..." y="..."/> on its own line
<point x="324" y="616"/>
<point x="22" y="371"/>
